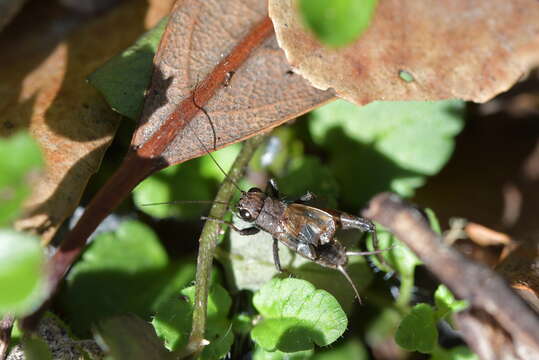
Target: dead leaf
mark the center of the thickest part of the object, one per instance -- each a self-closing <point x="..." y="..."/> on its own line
<point x="44" y="90"/>
<point x="224" y="57"/>
<point x="451" y="49"/>
<point x="521" y="269"/>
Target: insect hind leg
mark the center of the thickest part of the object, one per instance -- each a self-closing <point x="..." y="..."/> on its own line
<point x="356" y="222"/>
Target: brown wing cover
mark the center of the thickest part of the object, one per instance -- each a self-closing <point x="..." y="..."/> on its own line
<point x="308" y="224"/>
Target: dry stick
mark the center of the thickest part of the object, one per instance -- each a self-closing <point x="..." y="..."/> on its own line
<point x="482" y="287"/>
<point x="6" y="324"/>
<point x="143" y="161"/>
<point x="208" y="241"/>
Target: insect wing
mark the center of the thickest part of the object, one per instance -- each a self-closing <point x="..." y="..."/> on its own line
<point x="308" y="224"/>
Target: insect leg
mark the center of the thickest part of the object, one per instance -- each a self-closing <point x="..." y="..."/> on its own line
<point x="276" y="259"/>
<point x="247" y="231"/>
<point x="356" y="222"/>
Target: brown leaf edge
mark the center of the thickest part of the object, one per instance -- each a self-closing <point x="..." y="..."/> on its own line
<point x="488" y="294"/>
<point x="142" y="161"/>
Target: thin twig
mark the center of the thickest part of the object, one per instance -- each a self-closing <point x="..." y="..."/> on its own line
<point x="6" y="324"/>
<point x="208" y="241"/>
<point x="484" y="289"/>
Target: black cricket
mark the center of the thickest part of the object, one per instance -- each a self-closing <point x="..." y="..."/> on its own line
<point x="307" y="230"/>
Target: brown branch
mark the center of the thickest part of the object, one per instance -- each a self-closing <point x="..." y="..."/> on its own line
<point x="6" y="324"/>
<point x="486" y="291"/>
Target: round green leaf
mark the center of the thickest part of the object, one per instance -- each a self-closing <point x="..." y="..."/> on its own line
<point x="337" y="22"/>
<point x="21" y="272"/>
<point x="25" y="156"/>
<point x="296" y="315"/>
<point x="417" y="331"/>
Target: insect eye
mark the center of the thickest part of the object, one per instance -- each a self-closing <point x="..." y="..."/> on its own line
<point x="245" y="215"/>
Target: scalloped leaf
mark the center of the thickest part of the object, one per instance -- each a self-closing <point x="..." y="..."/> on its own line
<point x="21" y="272"/>
<point x="417" y="331"/>
<point x="296" y="316"/>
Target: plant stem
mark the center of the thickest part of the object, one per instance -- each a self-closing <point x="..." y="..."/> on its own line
<point x="6" y="324"/>
<point x="405" y="291"/>
<point x="208" y="241"/>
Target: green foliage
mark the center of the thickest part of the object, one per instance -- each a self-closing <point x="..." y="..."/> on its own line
<point x="20" y="157"/>
<point x="456" y="353"/>
<point x="446" y="303"/>
<point x="126" y="271"/>
<point x="21" y="272"/>
<point x="417" y="331"/>
<point x="261" y="354"/>
<point x="124" y="78"/>
<point x="35" y="348"/>
<point x="337" y="22"/>
<point x="386" y="145"/>
<point x="296" y="315"/>
<point x="173" y="320"/>
<point x="200" y="178"/>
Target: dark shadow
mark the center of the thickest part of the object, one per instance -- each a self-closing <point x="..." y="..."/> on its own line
<point x="360" y="169"/>
<point x="78" y="111"/>
<point x="27" y="41"/>
<point x="92" y="296"/>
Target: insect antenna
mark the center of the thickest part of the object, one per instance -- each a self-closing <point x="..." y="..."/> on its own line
<point x="189" y="202"/>
<point x="343" y="271"/>
<point x="214" y="140"/>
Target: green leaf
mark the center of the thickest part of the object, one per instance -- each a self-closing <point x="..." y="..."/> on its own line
<point x="35" y="348"/>
<point x="296" y="315"/>
<point x="248" y="263"/>
<point x="127" y="271"/>
<point x="351" y="349"/>
<point x="200" y="178"/>
<point x="130" y="337"/>
<point x="433" y="221"/>
<point x="417" y="331"/>
<point x="400" y="257"/>
<point x="173" y="320"/>
<point x="21" y="272"/>
<point x="446" y="303"/>
<point x="124" y="78"/>
<point x="386" y="145"/>
<point x="21" y="156"/>
<point x="337" y="22"/>
<point x="456" y="353"/>
<point x="261" y="354"/>
<point x="307" y="173"/>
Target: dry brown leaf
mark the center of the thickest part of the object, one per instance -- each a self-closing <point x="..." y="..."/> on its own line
<point x="451" y="48"/>
<point x="43" y="89"/>
<point x="199" y="54"/>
